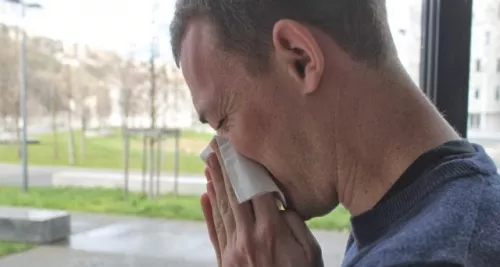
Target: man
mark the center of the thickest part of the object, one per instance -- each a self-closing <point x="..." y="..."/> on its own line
<point x="314" y="91"/>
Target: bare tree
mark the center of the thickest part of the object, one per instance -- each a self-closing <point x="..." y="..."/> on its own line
<point x="68" y="95"/>
<point x="133" y="79"/>
<point x="9" y="84"/>
<point x="45" y="81"/>
<point x="153" y="86"/>
<point x="103" y="105"/>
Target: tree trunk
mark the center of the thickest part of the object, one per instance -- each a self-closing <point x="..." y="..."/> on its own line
<point x="71" y="137"/>
<point x="18" y="134"/>
<point x="54" y="125"/>
<point x="152" y="92"/>
<point x="55" y="138"/>
<point x="71" y="140"/>
<point x="83" y="140"/>
<point x="101" y="124"/>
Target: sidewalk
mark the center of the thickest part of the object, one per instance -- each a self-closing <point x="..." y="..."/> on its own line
<point x="73" y="176"/>
<point x="122" y="241"/>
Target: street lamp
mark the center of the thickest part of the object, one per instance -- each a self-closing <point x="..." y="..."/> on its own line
<point x="23" y="90"/>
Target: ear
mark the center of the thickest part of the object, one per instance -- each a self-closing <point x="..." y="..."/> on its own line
<point x="296" y="47"/>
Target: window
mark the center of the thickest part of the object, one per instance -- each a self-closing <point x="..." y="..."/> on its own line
<point x="478" y="65"/>
<point x="488" y="37"/>
<point x="477" y="94"/>
<point x="474" y="121"/>
<point x="497" y="93"/>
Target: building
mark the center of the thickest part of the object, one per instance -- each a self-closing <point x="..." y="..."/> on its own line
<point x="405" y="20"/>
<point x="484" y="94"/>
<point x="484" y="84"/>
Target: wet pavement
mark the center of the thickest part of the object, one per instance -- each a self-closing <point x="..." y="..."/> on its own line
<point x="109" y="241"/>
<point x="103" y="240"/>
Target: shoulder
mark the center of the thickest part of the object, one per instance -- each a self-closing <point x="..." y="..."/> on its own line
<point x="439" y="229"/>
<point x="428" y="264"/>
<point x="485" y="241"/>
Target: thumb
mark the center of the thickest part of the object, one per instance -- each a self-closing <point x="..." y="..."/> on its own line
<point x="304" y="237"/>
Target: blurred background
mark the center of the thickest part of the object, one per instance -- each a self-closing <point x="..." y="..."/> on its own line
<point x="97" y="121"/>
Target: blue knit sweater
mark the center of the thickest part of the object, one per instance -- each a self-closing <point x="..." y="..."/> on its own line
<point x="449" y="216"/>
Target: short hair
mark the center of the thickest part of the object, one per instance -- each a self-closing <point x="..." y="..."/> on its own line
<point x="245" y="27"/>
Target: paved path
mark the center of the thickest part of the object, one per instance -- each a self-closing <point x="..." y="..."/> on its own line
<point x="121" y="241"/>
<point x="10" y="174"/>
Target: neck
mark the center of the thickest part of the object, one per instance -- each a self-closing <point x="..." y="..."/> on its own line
<point x="382" y="138"/>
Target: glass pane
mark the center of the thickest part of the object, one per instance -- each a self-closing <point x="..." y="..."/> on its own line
<point x="405" y="21"/>
<point x="484" y="94"/>
<point x="96" y="69"/>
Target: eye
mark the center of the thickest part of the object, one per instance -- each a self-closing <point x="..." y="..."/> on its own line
<point x="221" y="123"/>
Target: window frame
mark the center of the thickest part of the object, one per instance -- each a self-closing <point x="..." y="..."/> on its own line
<point x="445" y="58"/>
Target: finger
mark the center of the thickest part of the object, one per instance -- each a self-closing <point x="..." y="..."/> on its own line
<point x="221" y="196"/>
<point x="243" y="213"/>
<point x="303" y="236"/>
<point x="209" y="218"/>
<point x="265" y="208"/>
<point x="207" y="174"/>
<point x="219" y="227"/>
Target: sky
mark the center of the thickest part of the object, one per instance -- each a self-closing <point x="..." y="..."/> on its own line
<point x="121" y="25"/>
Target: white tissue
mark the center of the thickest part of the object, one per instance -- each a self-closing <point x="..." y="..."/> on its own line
<point x="248" y="178"/>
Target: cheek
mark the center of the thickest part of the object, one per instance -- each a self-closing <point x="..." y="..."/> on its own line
<point x="249" y="136"/>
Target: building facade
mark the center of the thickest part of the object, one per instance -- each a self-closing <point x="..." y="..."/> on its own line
<point x="484" y="84"/>
<point x="484" y="93"/>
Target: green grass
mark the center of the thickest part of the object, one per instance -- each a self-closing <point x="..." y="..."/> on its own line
<point x="111" y="201"/>
<point x="107" y="152"/>
<point x="7" y="248"/>
<point x="338" y="219"/>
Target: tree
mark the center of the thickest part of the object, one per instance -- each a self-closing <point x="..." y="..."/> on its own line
<point x="133" y="83"/>
<point x="103" y="104"/>
<point x="45" y="80"/>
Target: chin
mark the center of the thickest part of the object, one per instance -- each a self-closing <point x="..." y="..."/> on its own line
<point x="307" y="212"/>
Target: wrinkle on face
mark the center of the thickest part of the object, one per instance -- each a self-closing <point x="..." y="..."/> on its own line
<point x="200" y="70"/>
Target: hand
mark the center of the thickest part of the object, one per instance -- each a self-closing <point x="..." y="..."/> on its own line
<point x="255" y="233"/>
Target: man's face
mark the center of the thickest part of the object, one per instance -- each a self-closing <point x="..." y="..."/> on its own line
<point x="261" y="115"/>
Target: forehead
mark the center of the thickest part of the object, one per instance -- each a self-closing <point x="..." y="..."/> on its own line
<point x="200" y="63"/>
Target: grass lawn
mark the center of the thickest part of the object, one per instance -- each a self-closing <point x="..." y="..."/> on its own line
<point x="107" y="152"/>
<point x="7" y="248"/>
<point x="111" y="201"/>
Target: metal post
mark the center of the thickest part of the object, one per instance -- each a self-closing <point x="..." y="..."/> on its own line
<point x="445" y="67"/>
<point x="22" y="101"/>
<point x="176" y="163"/>
<point x="151" y="167"/>
<point x="144" y="162"/>
<point x="158" y="164"/>
<point x="126" y="157"/>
